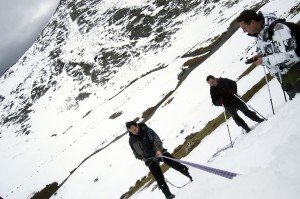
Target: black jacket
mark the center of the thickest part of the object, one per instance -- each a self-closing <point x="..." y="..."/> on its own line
<point x="224" y="91"/>
<point x="146" y="144"/>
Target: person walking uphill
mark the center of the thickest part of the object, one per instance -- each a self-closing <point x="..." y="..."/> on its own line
<point x="146" y="146"/>
<point x="276" y="46"/>
<point x="223" y="92"/>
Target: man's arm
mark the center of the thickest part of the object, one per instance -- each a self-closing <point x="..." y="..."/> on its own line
<point x="285" y="43"/>
<point x="137" y="156"/>
<point x="215" y="98"/>
<point x="157" y="143"/>
<point x="232" y="86"/>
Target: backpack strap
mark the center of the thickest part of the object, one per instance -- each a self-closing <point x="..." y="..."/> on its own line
<point x="271" y="27"/>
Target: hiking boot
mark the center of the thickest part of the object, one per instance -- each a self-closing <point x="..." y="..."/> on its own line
<point x="171" y="196"/>
<point x="246" y="128"/>
<point x="190" y="177"/>
<point x="260" y="120"/>
<point x="186" y="173"/>
<point x="165" y="189"/>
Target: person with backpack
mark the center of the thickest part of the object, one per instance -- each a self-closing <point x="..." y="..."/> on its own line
<point x="147" y="146"/>
<point x="276" y="47"/>
<point x="223" y="92"/>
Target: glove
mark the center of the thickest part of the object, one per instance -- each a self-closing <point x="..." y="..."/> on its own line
<point x="158" y="154"/>
<point x="251" y="60"/>
<point x="221" y="102"/>
<point x="232" y="91"/>
<point x="282" y="67"/>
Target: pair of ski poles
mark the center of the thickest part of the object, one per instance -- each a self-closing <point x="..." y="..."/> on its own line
<point x="280" y="81"/>
<point x="226" y="116"/>
<point x="271" y="101"/>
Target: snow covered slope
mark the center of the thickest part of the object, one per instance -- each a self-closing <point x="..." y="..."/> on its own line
<point x="99" y="64"/>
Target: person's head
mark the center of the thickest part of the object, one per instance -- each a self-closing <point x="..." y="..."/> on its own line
<point x="250" y="21"/>
<point x="211" y="80"/>
<point x="132" y="127"/>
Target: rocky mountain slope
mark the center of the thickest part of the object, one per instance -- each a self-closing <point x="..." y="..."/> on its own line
<point x="96" y="65"/>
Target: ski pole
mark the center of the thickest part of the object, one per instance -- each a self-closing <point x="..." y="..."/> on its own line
<point x="250" y="106"/>
<point x="269" y="90"/>
<point x="227" y="126"/>
<point x="280" y="81"/>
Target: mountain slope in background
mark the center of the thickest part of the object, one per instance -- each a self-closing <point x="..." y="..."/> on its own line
<point x="100" y="63"/>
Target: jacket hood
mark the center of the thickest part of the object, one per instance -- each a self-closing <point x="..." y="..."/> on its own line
<point x="142" y="126"/>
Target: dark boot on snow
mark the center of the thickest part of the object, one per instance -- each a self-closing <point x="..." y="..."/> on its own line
<point x="186" y="173"/>
<point x="246" y="128"/>
<point x="252" y="115"/>
<point x="165" y="189"/>
<point x="171" y="196"/>
<point x="259" y="120"/>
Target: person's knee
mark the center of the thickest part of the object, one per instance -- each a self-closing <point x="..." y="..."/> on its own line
<point x="297" y="85"/>
<point x="233" y="113"/>
<point x="287" y="87"/>
<point x="239" y="121"/>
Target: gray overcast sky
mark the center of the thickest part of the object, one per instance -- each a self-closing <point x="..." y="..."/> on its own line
<point x="21" y="22"/>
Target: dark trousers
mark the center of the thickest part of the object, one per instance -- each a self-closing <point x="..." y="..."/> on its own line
<point x="158" y="174"/>
<point x="244" y="109"/>
<point x="291" y="81"/>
